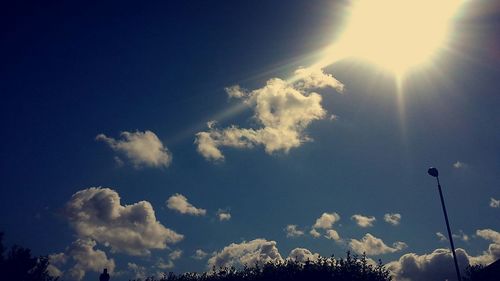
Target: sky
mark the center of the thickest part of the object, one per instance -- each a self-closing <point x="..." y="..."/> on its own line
<point x="181" y="135"/>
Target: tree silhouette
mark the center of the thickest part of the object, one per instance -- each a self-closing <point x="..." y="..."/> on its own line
<point x="351" y="268"/>
<point x="19" y="265"/>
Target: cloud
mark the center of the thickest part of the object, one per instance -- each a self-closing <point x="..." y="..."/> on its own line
<point x="223" y="215"/>
<point x="282" y="111"/>
<point x="141" y="148"/>
<point x="236" y="92"/>
<point x="314" y="233"/>
<point x="139" y="272"/>
<point x="315" y="78"/>
<point x="251" y="253"/>
<point x="175" y="255"/>
<point x="363" y="221"/>
<point x="462" y="236"/>
<point x="87" y="259"/>
<point x="302" y="255"/>
<point x="199" y="254"/>
<point x="441" y="236"/>
<point x="96" y="213"/>
<point x="179" y="203"/>
<point x="55" y="261"/>
<point x="437" y="265"/>
<point x="392" y="218"/>
<point x="459" y="165"/>
<point x="332" y="234"/>
<point x="372" y="245"/>
<point x="326" y="220"/>
<point x="292" y="231"/>
<point x="494" y="203"/>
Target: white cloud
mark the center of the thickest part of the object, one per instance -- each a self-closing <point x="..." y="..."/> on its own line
<point x="133" y="229"/>
<point x="332" y="234"/>
<point x="175" y="255"/>
<point x="437" y="265"/>
<point x="326" y="220"/>
<point x="87" y="259"/>
<point x="223" y="215"/>
<point x="199" y="254"/>
<point x="315" y="78"/>
<point x="314" y="233"/>
<point x="179" y="203"/>
<point x="372" y="245"/>
<point x="282" y="110"/>
<point x="141" y="148"/>
<point x="251" y="253"/>
<point x="292" y="231"/>
<point x="55" y="261"/>
<point x="162" y="265"/>
<point x="441" y="236"/>
<point x="459" y="165"/>
<point x="392" y="218"/>
<point x="138" y="271"/>
<point x="363" y="221"/>
<point x="236" y="92"/>
<point x="302" y="255"/>
<point x="461" y="235"/>
<point x="494" y="203"/>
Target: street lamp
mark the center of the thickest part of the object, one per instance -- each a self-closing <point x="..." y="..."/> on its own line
<point x="434" y="173"/>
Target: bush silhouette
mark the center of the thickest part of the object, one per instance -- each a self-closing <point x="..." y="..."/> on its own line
<point x="19" y="265"/>
<point x="351" y="268"/>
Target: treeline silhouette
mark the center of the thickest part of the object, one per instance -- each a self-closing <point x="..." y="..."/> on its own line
<point x="17" y="264"/>
<point x="351" y="268"/>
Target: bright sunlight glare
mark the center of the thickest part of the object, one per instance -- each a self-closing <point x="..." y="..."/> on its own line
<point x="397" y="35"/>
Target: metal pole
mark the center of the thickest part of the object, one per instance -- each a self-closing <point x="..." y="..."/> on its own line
<point x="449" y="230"/>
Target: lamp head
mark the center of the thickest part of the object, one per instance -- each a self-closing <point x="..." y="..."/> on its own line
<point x="433" y="172"/>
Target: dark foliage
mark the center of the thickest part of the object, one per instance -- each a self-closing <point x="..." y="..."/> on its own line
<point x="19" y="265"/>
<point x="352" y="268"/>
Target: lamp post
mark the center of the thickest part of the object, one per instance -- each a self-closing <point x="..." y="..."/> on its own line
<point x="434" y="173"/>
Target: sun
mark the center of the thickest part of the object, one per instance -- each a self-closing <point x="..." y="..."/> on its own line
<point x="397" y="35"/>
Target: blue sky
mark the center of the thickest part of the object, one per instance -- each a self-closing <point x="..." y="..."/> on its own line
<point x="73" y="71"/>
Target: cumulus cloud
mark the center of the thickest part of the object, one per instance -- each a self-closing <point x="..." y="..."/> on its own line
<point x="363" y="221"/>
<point x="138" y="271"/>
<point x="251" y="253"/>
<point x="302" y="255"/>
<point x="332" y="234"/>
<point x="372" y="245"/>
<point x="87" y="259"/>
<point x="437" y="265"/>
<point x="179" y="203"/>
<point x="392" y="218"/>
<point x="494" y="203"/>
<point x="55" y="262"/>
<point x="292" y="231"/>
<point x="459" y="165"/>
<point x="282" y="111"/>
<point x="199" y="254"/>
<point x="223" y="215"/>
<point x="326" y="220"/>
<point x="97" y="213"/>
<point x="461" y="235"/>
<point x="141" y="148"/>
<point x="314" y="233"/>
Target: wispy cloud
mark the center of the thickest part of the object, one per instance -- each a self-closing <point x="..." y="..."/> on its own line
<point x="459" y="165"/>
<point x="293" y="231"/>
<point x="494" y="203"/>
